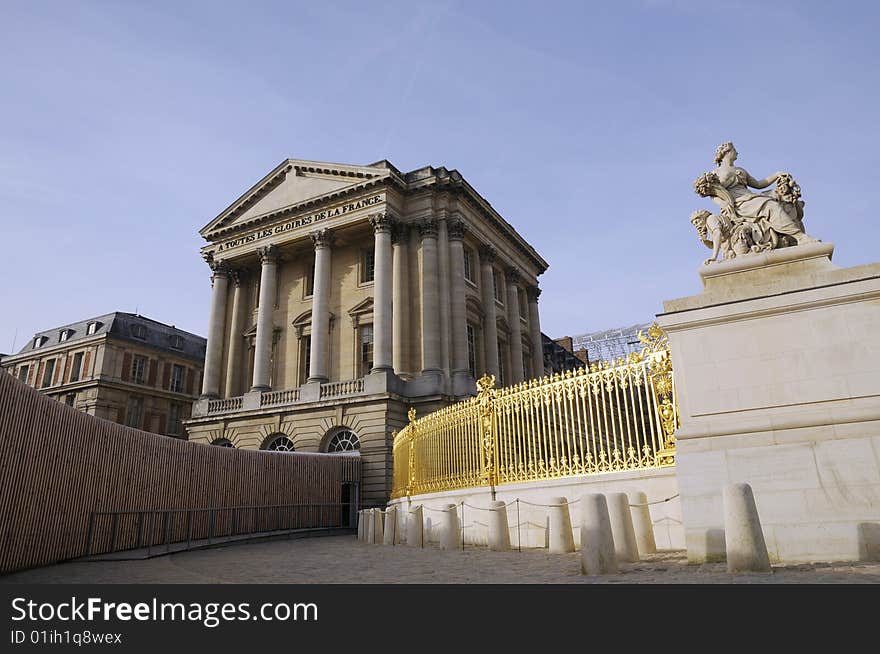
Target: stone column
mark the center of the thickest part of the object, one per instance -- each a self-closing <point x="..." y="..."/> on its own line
<point x="233" y="360"/>
<point x="517" y="374"/>
<point x="400" y="298"/>
<point x="535" y="332"/>
<point x="265" y="327"/>
<point x="490" y="326"/>
<point x="458" y="313"/>
<point x="382" y="293"/>
<point x="443" y="256"/>
<point x="320" y="349"/>
<point x="430" y="298"/>
<point x="216" y="327"/>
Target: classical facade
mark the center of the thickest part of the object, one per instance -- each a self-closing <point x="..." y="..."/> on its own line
<point x="344" y="295"/>
<point x="120" y="366"/>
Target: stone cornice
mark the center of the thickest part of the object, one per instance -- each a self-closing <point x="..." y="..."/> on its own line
<point x="425" y="180"/>
<point x="215" y="234"/>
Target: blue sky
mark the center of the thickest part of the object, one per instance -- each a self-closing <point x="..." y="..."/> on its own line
<point x="125" y="127"/>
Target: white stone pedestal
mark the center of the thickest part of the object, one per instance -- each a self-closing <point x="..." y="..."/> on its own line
<point x="777" y="372"/>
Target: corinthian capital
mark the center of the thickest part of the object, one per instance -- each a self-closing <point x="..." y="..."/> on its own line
<point x="268" y="253"/>
<point x="400" y="233"/>
<point x="487" y="253"/>
<point x="533" y="292"/>
<point x="512" y="275"/>
<point x="428" y="228"/>
<point x="382" y="223"/>
<point x="323" y="238"/>
<point x="457" y="229"/>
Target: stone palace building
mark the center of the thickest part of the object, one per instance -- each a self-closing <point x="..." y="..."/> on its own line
<point x="343" y="295"/>
<point x="122" y="367"/>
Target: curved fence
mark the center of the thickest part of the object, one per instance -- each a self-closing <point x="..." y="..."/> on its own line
<point x="614" y="416"/>
<point x="62" y="470"/>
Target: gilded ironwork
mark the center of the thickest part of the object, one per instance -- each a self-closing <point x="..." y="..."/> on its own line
<point x="619" y="415"/>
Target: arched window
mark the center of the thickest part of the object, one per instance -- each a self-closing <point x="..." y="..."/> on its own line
<point x="344" y="440"/>
<point x="222" y="442"/>
<point x="280" y="443"/>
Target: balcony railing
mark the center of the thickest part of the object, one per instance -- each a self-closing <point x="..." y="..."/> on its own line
<point x="286" y="397"/>
<point x="338" y="389"/>
<point x="225" y="405"/>
<point x="275" y="398"/>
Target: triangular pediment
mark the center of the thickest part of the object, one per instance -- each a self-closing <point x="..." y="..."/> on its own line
<point x="291" y="183"/>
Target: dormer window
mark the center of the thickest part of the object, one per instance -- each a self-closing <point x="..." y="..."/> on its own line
<point x="139" y="332"/>
<point x="93" y="327"/>
<point x="64" y="335"/>
<point x="40" y="340"/>
<point x="177" y="342"/>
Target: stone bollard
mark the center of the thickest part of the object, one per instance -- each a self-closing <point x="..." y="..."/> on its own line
<point x="642" y="524"/>
<point x="450" y="536"/>
<point x="597" y="543"/>
<point x="622" y="530"/>
<point x="378" y="533"/>
<point x="561" y="536"/>
<point x="743" y="538"/>
<point x="391" y="536"/>
<point x="499" y="532"/>
<point x="415" y="527"/>
<point x="362" y="526"/>
<point x="370" y="526"/>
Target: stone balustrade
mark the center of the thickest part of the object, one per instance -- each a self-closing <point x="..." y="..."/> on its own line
<point x="338" y="389"/>
<point x="275" y="398"/>
<point x="225" y="405"/>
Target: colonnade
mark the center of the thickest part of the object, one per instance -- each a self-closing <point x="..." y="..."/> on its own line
<point x="442" y="309"/>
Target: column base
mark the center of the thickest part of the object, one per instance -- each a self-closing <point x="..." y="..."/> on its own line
<point x="209" y="396"/>
<point x="261" y="389"/>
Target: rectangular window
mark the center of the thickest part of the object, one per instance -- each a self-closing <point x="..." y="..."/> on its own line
<point x="76" y="368"/>
<point x="366" y="349"/>
<point x="47" y="373"/>
<point x="23" y="373"/>
<point x="177" y="342"/>
<point x="500" y="364"/>
<point x="368" y="266"/>
<point x="472" y="351"/>
<point x="92" y="328"/>
<point x="173" y="420"/>
<point x="70" y="399"/>
<point x="138" y="369"/>
<point x="496" y="286"/>
<point x="139" y="332"/>
<point x="135" y="411"/>
<point x="176" y="379"/>
<point x="304" y="357"/>
<point x="468" y="265"/>
<point x="310" y="280"/>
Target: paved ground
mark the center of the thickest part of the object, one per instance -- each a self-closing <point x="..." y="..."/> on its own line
<point x="342" y="559"/>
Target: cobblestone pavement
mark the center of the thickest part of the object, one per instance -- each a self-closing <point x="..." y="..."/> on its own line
<point x="342" y="559"/>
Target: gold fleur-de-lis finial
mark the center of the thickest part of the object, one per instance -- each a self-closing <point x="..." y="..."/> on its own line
<point x="485" y="383"/>
<point x="411" y="414"/>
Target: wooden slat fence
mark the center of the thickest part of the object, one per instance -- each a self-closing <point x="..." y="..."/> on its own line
<point x="58" y="465"/>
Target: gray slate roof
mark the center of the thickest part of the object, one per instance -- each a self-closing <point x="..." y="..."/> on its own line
<point x="610" y="344"/>
<point x="120" y="325"/>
